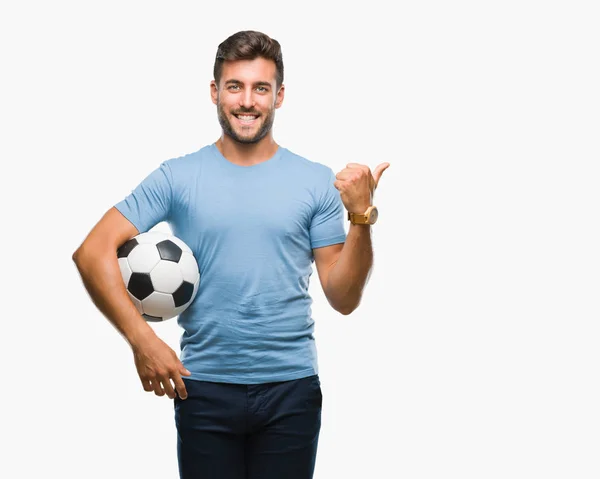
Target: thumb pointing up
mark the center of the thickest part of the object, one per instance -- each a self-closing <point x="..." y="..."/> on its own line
<point x="378" y="171"/>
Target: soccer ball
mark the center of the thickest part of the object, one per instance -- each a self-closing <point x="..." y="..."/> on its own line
<point x="160" y="274"/>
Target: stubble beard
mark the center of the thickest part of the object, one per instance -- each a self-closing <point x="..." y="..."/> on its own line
<point x="228" y="129"/>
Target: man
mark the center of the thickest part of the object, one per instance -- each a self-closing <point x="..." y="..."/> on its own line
<point x="247" y="395"/>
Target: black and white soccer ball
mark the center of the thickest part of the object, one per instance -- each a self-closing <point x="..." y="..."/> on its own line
<point x="160" y="274"/>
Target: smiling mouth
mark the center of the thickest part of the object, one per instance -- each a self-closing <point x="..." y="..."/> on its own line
<point x="246" y="119"/>
<point x="245" y="116"/>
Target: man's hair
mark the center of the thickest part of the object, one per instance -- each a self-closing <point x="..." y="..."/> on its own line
<point x="248" y="45"/>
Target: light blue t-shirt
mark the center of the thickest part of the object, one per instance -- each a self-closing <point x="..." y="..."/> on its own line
<point x="252" y="230"/>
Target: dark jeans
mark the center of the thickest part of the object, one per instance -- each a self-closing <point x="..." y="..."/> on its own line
<point x="257" y="431"/>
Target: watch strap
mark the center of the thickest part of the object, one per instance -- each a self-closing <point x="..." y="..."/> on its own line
<point x="358" y="218"/>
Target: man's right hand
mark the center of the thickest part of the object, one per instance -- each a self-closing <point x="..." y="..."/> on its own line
<point x="157" y="364"/>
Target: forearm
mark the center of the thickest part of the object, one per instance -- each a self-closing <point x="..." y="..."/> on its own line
<point x="349" y="275"/>
<point x="102" y="279"/>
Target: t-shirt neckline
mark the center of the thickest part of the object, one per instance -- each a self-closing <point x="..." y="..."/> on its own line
<point x="262" y="164"/>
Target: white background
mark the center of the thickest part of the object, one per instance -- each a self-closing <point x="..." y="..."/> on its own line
<point x="475" y="352"/>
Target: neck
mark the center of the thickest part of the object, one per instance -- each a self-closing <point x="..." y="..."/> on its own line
<point x="246" y="153"/>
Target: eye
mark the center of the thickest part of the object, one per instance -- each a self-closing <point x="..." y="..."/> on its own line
<point x="233" y="87"/>
<point x="262" y="89"/>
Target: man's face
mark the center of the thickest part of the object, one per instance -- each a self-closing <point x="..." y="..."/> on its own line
<point x="246" y="99"/>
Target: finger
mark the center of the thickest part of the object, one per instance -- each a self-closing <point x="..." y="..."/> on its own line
<point x="345" y="174"/>
<point x="180" y="386"/>
<point x="146" y="385"/>
<point x="357" y="165"/>
<point x="158" y="390"/>
<point x="379" y="170"/>
<point x="352" y="175"/>
<point x="168" y="387"/>
<point x="340" y="185"/>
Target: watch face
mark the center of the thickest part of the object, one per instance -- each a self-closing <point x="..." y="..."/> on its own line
<point x="373" y="216"/>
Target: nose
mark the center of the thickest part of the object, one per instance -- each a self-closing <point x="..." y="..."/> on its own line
<point x="246" y="99"/>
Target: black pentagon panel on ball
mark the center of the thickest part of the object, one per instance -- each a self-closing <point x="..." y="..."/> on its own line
<point x="169" y="251"/>
<point x="152" y="319"/>
<point x="140" y="285"/>
<point x="124" y="250"/>
<point x="183" y="294"/>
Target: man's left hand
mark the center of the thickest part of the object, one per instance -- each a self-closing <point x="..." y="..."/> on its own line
<point x="357" y="185"/>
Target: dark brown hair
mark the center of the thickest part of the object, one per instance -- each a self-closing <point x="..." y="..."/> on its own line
<point x="248" y="45"/>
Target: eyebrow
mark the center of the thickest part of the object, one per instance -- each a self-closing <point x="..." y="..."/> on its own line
<point x="258" y="83"/>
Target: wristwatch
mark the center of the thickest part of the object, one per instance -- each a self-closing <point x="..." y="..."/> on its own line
<point x="369" y="217"/>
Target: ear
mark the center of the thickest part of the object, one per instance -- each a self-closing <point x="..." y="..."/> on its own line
<point x="280" y="95"/>
<point x="214" y="91"/>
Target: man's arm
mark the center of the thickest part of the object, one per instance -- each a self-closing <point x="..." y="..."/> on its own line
<point x="344" y="269"/>
<point x="97" y="263"/>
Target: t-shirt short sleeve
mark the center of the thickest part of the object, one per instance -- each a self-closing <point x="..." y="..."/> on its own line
<point x="327" y="225"/>
<point x="150" y="202"/>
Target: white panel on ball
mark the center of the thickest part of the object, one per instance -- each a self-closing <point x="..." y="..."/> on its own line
<point x="125" y="270"/>
<point x="159" y="304"/>
<point x="166" y="277"/>
<point x="189" y="267"/>
<point x="136" y="302"/>
<point x="196" y="285"/>
<point x="143" y="258"/>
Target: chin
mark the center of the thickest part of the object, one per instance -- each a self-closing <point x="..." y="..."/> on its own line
<point x="247" y="140"/>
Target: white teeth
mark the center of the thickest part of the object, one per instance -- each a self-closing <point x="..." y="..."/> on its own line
<point x="246" y="117"/>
